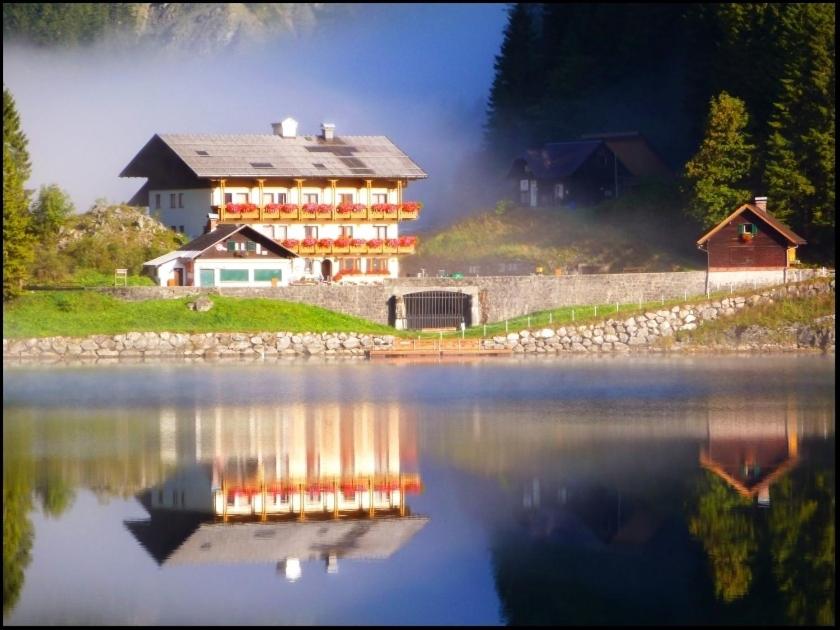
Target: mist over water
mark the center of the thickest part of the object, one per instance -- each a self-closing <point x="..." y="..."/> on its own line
<point x="418" y="74"/>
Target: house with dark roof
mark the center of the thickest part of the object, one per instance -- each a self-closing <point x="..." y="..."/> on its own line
<point x="585" y="171"/>
<point x="229" y="255"/>
<point x="750" y="239"/>
<point x="334" y="201"/>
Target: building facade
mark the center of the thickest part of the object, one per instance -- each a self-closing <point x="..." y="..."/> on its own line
<point x="334" y="202"/>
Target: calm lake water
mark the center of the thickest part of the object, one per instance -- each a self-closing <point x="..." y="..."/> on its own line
<point x="609" y="490"/>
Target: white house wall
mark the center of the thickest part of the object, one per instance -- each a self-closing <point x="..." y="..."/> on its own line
<point x="217" y="264"/>
<point x="193" y="216"/>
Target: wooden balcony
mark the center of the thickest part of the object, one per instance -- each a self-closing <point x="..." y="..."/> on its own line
<point x="355" y="247"/>
<point x="310" y="213"/>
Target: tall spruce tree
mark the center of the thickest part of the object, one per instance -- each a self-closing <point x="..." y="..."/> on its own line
<point x="17" y="240"/>
<point x="800" y="149"/>
<point x="14" y="137"/>
<point x="716" y="174"/>
<point x="515" y="89"/>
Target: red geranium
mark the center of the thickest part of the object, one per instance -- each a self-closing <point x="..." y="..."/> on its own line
<point x="345" y="208"/>
<point x="357" y="242"/>
<point x="411" y="206"/>
<point x="324" y="209"/>
<point x="375" y="242"/>
<point x="359" y="207"/>
<point x="290" y="243"/>
<point x="392" y="242"/>
<point x="342" y="241"/>
<point x="272" y="208"/>
<point x="308" y="242"/>
<point x="325" y="242"/>
<point x="407" y="241"/>
<point x="311" y="207"/>
<point x="288" y="208"/>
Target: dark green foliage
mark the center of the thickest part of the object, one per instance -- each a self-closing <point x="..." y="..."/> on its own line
<point x="597" y="67"/>
<point x="51" y="23"/>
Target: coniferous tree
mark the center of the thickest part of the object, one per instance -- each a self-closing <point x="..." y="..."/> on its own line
<point x="49" y="212"/>
<point x="715" y="175"/>
<point x="14" y="137"/>
<point x="514" y="90"/>
<point x="17" y="241"/>
<point x="800" y="149"/>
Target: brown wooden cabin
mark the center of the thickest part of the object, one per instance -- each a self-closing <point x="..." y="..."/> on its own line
<point x="750" y="239"/>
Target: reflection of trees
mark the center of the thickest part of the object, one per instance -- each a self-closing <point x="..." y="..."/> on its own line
<point x="795" y="542"/>
<point x="801" y="533"/>
<point x="17" y="527"/>
<point x="728" y="535"/>
<point x="53" y="490"/>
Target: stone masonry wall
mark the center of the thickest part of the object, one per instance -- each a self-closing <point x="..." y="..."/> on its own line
<point x="640" y="332"/>
<point x="500" y="297"/>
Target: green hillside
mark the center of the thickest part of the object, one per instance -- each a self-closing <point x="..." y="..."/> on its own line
<point x="628" y="234"/>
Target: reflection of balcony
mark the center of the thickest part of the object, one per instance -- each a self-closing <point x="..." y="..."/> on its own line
<point x="320" y="213"/>
<point x="327" y="497"/>
<point x="346" y="246"/>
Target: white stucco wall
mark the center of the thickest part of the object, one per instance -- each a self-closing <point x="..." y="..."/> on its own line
<point x="217" y="264"/>
<point x="193" y="216"/>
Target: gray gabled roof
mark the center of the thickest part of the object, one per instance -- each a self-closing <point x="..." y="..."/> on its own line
<point x="559" y="159"/>
<point x="217" y="156"/>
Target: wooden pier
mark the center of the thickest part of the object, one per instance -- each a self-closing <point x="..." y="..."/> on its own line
<point x="436" y="347"/>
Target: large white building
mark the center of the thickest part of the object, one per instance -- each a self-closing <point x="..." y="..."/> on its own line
<point x="332" y="203"/>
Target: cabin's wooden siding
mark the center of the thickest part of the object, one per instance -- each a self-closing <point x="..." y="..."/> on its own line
<point x="767" y="249"/>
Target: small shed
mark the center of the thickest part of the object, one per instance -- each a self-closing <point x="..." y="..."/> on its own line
<point x="750" y="239"/>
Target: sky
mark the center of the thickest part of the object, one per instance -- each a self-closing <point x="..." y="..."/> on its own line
<point x="419" y="74"/>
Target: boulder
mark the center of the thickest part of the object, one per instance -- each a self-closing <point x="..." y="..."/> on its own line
<point x="202" y="304"/>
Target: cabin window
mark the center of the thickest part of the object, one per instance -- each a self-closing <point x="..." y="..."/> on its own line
<point x="310" y="231"/>
<point x="180" y="200"/>
<point x="748" y="228"/>
<point x="157" y="200"/>
<point x="172" y="200"/>
<point x="281" y="197"/>
<point x="231" y="246"/>
<point x="379" y="264"/>
<point x="379" y="198"/>
<point x="523" y="185"/>
<point x="346" y="231"/>
<point x="310" y="198"/>
<point x="233" y="275"/>
<point x="559" y="191"/>
<point x="308" y="266"/>
<point x="228" y="197"/>
<point x="345" y="198"/>
<point x="381" y="231"/>
<point x="250" y="246"/>
<point x="267" y="275"/>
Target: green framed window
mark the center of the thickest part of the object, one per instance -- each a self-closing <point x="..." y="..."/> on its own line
<point x="231" y="246"/>
<point x="250" y="246"/>
<point x="233" y="275"/>
<point x="748" y="228"/>
<point x="267" y="275"/>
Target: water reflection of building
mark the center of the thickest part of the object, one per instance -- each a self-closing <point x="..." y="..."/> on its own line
<point x="283" y="484"/>
<point x="752" y="448"/>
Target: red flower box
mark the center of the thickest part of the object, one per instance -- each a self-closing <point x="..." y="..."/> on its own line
<point x="324" y="209"/>
<point x="325" y="242"/>
<point x="392" y="242"/>
<point x="342" y="241"/>
<point x="272" y="208"/>
<point x="290" y="243"/>
<point x="288" y="208"/>
<point x="375" y="242"/>
<point x="407" y="241"/>
<point x="411" y="206"/>
<point x="358" y="242"/>
<point x="345" y="208"/>
<point x="308" y="242"/>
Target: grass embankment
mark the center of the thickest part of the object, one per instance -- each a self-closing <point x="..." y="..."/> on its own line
<point x="80" y="313"/>
<point x="777" y="319"/>
<point x="627" y="233"/>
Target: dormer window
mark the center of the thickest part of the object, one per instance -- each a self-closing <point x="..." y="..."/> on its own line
<point x="747" y="231"/>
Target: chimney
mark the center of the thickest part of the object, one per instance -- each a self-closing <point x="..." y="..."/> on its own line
<point x="327" y="131"/>
<point x="212" y="222"/>
<point x="761" y="202"/>
<point x="287" y="128"/>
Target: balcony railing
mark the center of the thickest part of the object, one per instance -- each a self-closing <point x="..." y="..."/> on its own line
<point x="320" y="213"/>
<point x="350" y="247"/>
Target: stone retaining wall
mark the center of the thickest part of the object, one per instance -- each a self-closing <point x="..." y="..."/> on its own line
<point x="499" y="297"/>
<point x="640" y="332"/>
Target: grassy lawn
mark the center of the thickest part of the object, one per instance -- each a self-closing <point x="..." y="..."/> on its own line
<point x="79" y="313"/>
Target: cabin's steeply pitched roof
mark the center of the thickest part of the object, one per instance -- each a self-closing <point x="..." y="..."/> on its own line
<point x="634" y="151"/>
<point x="765" y="216"/>
<point x="268" y="155"/>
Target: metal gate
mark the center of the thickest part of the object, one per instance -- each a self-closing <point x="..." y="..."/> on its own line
<point x="437" y="309"/>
